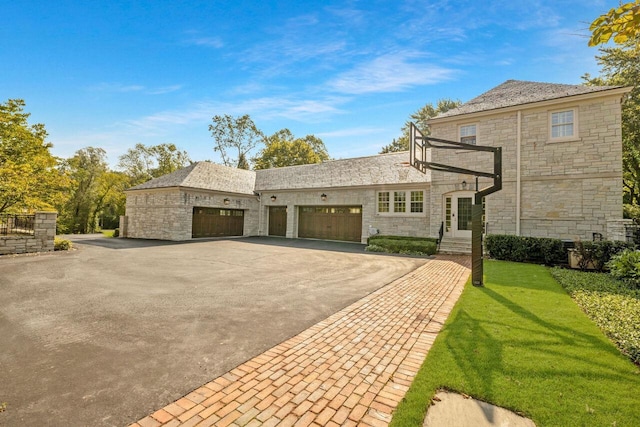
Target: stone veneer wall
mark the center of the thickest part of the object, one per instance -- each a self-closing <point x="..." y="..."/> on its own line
<point x="365" y="197"/>
<point x="569" y="189"/>
<point x="44" y="233"/>
<point x="166" y="214"/>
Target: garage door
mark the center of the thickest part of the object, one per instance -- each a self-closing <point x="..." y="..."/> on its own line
<point x="215" y="222"/>
<point x="330" y="222"/>
<point x="277" y="220"/>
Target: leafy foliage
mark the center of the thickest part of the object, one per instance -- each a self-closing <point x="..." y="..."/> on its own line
<point x="610" y="303"/>
<point x="402" y="245"/>
<point x="622" y="23"/>
<point x="61" y="244"/>
<point x="29" y="178"/>
<point x="599" y="253"/>
<point x="143" y="163"/>
<point x="420" y="118"/>
<point x="626" y="266"/>
<point x="283" y="149"/>
<point x="526" y="249"/>
<point x="235" y="134"/>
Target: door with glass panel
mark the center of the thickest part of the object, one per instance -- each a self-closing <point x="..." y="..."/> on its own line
<point x="457" y="214"/>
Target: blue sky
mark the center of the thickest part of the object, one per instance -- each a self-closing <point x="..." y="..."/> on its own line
<point x="111" y="74"/>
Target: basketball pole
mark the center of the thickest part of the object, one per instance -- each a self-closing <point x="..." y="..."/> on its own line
<point x="418" y="159"/>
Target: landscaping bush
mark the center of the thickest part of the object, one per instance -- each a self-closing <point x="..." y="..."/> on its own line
<point x="402" y="245"/>
<point x="116" y="232"/>
<point x="610" y="303"/>
<point x="626" y="266"/>
<point x="526" y="249"/>
<point x="599" y="253"/>
<point x="61" y="244"/>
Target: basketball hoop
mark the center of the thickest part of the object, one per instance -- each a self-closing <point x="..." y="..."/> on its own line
<point x="418" y="146"/>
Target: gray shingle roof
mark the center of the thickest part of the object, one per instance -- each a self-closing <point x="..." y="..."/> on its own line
<point x="518" y="92"/>
<point x="208" y="176"/>
<point x="385" y="169"/>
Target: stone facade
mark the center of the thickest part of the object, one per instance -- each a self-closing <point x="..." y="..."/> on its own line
<point x="568" y="190"/>
<point x="42" y="240"/>
<point x="166" y="213"/>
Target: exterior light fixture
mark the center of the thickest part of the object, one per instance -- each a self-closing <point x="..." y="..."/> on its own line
<point x="273" y="198"/>
<point x="464" y="185"/>
<point x="323" y="197"/>
<point x="226" y="200"/>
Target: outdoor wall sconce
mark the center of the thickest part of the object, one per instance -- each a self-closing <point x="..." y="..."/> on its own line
<point x="226" y="201"/>
<point x="323" y="197"/>
<point x="464" y="185"/>
<point x="273" y="198"/>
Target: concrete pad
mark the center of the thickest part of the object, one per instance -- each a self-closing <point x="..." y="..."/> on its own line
<point x="453" y="410"/>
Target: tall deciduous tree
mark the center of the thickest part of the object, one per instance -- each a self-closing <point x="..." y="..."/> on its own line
<point x="283" y="149"/>
<point x="29" y="178"/>
<point x="143" y="163"/>
<point x="235" y="138"/>
<point x="420" y="119"/>
<point x="86" y="168"/>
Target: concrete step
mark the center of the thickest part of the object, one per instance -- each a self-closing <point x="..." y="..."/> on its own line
<point x="455" y="246"/>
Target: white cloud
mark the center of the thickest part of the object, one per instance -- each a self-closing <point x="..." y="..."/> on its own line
<point x="124" y="88"/>
<point x="394" y="72"/>
<point x="359" y="131"/>
<point x="214" y="42"/>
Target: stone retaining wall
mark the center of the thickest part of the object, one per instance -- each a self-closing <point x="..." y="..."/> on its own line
<point x="44" y="233"/>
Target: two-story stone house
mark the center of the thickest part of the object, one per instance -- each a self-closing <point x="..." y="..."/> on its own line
<point x="562" y="177"/>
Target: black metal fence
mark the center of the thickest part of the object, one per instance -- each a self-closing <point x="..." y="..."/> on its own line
<point x="16" y="224"/>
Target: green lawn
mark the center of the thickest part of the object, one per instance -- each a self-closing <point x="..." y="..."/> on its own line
<point x="522" y="343"/>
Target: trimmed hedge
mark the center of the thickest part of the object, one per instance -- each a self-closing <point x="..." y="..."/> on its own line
<point x="61" y="244"/>
<point x="526" y="249"/>
<point x="402" y="245"/>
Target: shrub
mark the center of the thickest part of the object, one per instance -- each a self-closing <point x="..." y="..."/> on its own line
<point x="402" y="245"/>
<point x="599" y="253"/>
<point x="626" y="266"/>
<point x="526" y="249"/>
<point x="116" y="232"/>
<point x="61" y="244"/>
<point x="609" y="303"/>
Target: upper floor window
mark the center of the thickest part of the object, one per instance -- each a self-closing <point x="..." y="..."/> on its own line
<point x="562" y="124"/>
<point x="468" y="134"/>
<point x="401" y="202"/>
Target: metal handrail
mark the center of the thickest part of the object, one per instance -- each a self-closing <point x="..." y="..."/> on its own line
<point x="440" y="234"/>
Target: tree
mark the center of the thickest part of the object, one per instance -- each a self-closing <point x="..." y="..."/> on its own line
<point x="86" y="169"/>
<point x="239" y="135"/>
<point x="420" y="118"/>
<point x="621" y="67"/>
<point x="622" y="23"/>
<point x="283" y="149"/>
<point x="29" y="179"/>
<point x="143" y="163"/>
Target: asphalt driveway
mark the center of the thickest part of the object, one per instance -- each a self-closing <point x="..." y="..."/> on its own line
<point x="154" y="320"/>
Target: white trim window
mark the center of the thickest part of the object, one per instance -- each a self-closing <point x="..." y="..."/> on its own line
<point x="401" y="202"/>
<point x="468" y="134"/>
<point x="563" y="124"/>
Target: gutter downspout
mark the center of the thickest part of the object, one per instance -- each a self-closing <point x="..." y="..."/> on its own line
<point x="518" y="189"/>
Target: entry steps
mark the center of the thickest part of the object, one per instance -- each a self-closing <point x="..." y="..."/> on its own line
<point x="452" y="245"/>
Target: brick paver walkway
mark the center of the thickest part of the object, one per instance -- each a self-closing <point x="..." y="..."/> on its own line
<point x="351" y="369"/>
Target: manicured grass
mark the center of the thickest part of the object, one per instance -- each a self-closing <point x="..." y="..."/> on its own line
<point x="107" y="233"/>
<point x="523" y="344"/>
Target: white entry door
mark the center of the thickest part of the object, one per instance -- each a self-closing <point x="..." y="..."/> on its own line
<point x="457" y="214"/>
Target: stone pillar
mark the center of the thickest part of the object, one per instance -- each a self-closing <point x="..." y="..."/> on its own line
<point x="44" y="231"/>
<point x="617" y="229"/>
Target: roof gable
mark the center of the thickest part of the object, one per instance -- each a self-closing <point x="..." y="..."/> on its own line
<point x="518" y="92"/>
